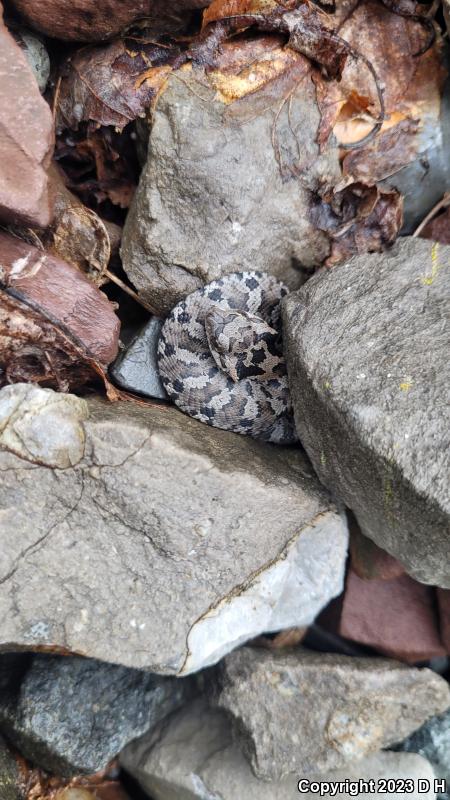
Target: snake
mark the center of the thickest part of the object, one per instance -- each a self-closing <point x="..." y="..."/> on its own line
<point x="220" y="357"/>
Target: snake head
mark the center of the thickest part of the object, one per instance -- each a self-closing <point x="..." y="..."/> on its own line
<point x="243" y="345"/>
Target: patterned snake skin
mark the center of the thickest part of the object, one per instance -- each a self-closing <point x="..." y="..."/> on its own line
<point x="221" y="361"/>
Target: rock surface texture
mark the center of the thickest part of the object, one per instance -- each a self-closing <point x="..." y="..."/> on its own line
<point x="42" y="426"/>
<point x="367" y="351"/>
<point x="166" y="545"/>
<point x="136" y="368"/>
<point x="192" y="756"/>
<point x="313" y="712"/>
<point x="216" y="202"/>
<point x="73" y="715"/>
<point x="26" y="139"/>
<point x="10" y="784"/>
<point x="432" y="741"/>
<point x="396" y="616"/>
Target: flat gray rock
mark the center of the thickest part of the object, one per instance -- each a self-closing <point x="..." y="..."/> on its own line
<point x="136" y="368"/>
<point x="216" y="202"/>
<point x="307" y="712"/>
<point x="165" y="545"/>
<point x="367" y="347"/>
<point x="432" y="741"/>
<point x="72" y="715"/>
<point x="192" y="756"/>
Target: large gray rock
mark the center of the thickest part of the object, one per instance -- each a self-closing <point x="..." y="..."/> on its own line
<point x="192" y="756"/>
<point x="367" y="349"/>
<point x="166" y="545"/>
<point x="72" y="715"/>
<point x="432" y="741"/>
<point x="308" y="712"/>
<point x="216" y="201"/>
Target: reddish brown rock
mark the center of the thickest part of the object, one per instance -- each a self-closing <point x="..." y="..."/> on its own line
<point x="397" y="617"/>
<point x="368" y="560"/>
<point x="443" y="598"/>
<point x="56" y="327"/>
<point x="26" y="139"/>
<point x="93" y="20"/>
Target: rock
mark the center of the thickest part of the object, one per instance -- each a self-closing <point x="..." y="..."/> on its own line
<point x="367" y="355"/>
<point x="308" y="712"/>
<point x="10" y="783"/>
<point x="396" y="616"/>
<point x="184" y="540"/>
<point x="136" y="368"/>
<point x="432" y="741"/>
<point x="368" y="560"/>
<point x="36" y="54"/>
<point x="219" y="202"/>
<point x="94" y="20"/>
<point x="42" y="426"/>
<point x="192" y="755"/>
<point x="56" y="327"/>
<point x="72" y="715"/>
<point x="26" y="144"/>
<point x="443" y="598"/>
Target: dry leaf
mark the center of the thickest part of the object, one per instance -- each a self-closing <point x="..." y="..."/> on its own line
<point x="99" y="165"/>
<point x="112" y="84"/>
<point x="359" y="219"/>
<point x="78" y="235"/>
<point x="56" y="328"/>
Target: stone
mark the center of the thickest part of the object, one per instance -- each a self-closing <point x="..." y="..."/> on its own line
<point x="368" y="560"/>
<point x="443" y="600"/>
<point x="42" y="426"/>
<point x="193" y="755"/>
<point x="136" y="368"/>
<point x="367" y="355"/>
<point x="218" y="202"/>
<point x="397" y="617"/>
<point x="72" y="715"/>
<point x="36" y="55"/>
<point x="11" y="787"/>
<point x="305" y="712"/>
<point x="94" y="20"/>
<point x="167" y="545"/>
<point x="26" y="143"/>
<point x="432" y="741"/>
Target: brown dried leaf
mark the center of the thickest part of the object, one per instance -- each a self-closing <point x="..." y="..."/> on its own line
<point x="359" y="219"/>
<point x="412" y="87"/>
<point x="78" y="235"/>
<point x="99" y="165"/>
<point x="112" y="84"/>
<point x="303" y="25"/>
<point x="56" y="328"/>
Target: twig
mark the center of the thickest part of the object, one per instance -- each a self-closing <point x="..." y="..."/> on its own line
<point x="444" y="202"/>
<point x="129" y="291"/>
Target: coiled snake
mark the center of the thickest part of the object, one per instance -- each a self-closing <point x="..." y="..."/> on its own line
<point x="221" y="361"/>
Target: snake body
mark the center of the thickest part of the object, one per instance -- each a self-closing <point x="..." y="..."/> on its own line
<point x="221" y="361"/>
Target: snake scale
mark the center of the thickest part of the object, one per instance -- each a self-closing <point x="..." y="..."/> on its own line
<point x="221" y="360"/>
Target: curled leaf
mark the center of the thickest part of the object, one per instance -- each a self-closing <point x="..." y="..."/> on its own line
<point x="359" y="219"/>
<point x="112" y="84"/>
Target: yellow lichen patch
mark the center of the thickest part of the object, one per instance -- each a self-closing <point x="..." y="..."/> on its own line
<point x="406" y="385"/>
<point x="251" y="77"/>
<point x="427" y="280"/>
